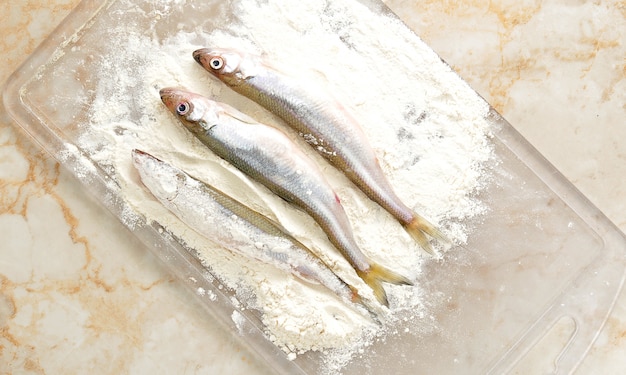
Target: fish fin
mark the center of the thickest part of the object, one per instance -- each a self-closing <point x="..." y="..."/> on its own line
<point x="374" y="311"/>
<point x="419" y="228"/>
<point x="376" y="275"/>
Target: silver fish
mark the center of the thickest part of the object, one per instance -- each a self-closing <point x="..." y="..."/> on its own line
<point x="268" y="156"/>
<point x="233" y="225"/>
<point x="324" y="123"/>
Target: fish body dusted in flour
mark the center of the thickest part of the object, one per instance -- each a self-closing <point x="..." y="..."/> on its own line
<point x="324" y="123"/>
<point x="268" y="156"/>
<point x="240" y="229"/>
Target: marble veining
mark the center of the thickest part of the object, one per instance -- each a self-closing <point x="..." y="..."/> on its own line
<point x="79" y="294"/>
<point x="544" y="65"/>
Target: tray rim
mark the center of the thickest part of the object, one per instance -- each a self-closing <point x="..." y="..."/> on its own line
<point x="607" y="263"/>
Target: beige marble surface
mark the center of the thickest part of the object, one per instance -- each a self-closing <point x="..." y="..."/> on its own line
<point x="78" y="294"/>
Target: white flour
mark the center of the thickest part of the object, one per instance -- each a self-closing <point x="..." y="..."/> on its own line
<point x="426" y="125"/>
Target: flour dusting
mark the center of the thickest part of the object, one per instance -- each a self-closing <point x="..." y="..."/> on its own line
<point x="427" y="126"/>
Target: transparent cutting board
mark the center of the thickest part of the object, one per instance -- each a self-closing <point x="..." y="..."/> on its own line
<point x="543" y="255"/>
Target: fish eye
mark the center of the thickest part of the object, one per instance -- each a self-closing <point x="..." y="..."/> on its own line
<point x="216" y="63"/>
<point x="182" y="108"/>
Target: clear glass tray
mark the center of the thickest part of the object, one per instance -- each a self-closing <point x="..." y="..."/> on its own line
<point x="541" y="256"/>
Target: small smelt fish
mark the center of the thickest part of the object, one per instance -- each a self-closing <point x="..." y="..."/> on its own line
<point x="268" y="156"/>
<point x="323" y="123"/>
<point x="233" y="225"/>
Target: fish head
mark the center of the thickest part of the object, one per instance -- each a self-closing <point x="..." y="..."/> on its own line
<point x="229" y="66"/>
<point x="195" y="111"/>
<point x="161" y="178"/>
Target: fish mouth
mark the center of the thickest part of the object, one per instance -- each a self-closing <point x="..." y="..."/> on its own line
<point x="171" y="96"/>
<point x="139" y="156"/>
<point x="143" y="154"/>
<point x="200" y="54"/>
<point x="204" y="57"/>
<point x="139" y="152"/>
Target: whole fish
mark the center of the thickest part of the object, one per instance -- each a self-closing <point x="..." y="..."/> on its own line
<point x="233" y="225"/>
<point x="323" y="123"/>
<point x="268" y="156"/>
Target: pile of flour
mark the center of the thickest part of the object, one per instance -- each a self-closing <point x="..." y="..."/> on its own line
<point x="427" y="126"/>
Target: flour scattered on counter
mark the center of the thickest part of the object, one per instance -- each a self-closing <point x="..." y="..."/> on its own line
<point x="239" y="320"/>
<point x="426" y="125"/>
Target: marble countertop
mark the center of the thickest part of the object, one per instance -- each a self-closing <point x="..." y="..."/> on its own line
<point x="78" y="293"/>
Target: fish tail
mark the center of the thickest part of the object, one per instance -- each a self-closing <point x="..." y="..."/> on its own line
<point x="419" y="228"/>
<point x="376" y="275"/>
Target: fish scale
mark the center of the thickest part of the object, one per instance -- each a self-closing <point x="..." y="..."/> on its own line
<point x="221" y="218"/>
<point x="323" y="123"/>
<point x="268" y="156"/>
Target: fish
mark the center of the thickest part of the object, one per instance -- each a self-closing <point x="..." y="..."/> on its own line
<point x="323" y="123"/>
<point x="268" y="156"/>
<point x="228" y="222"/>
